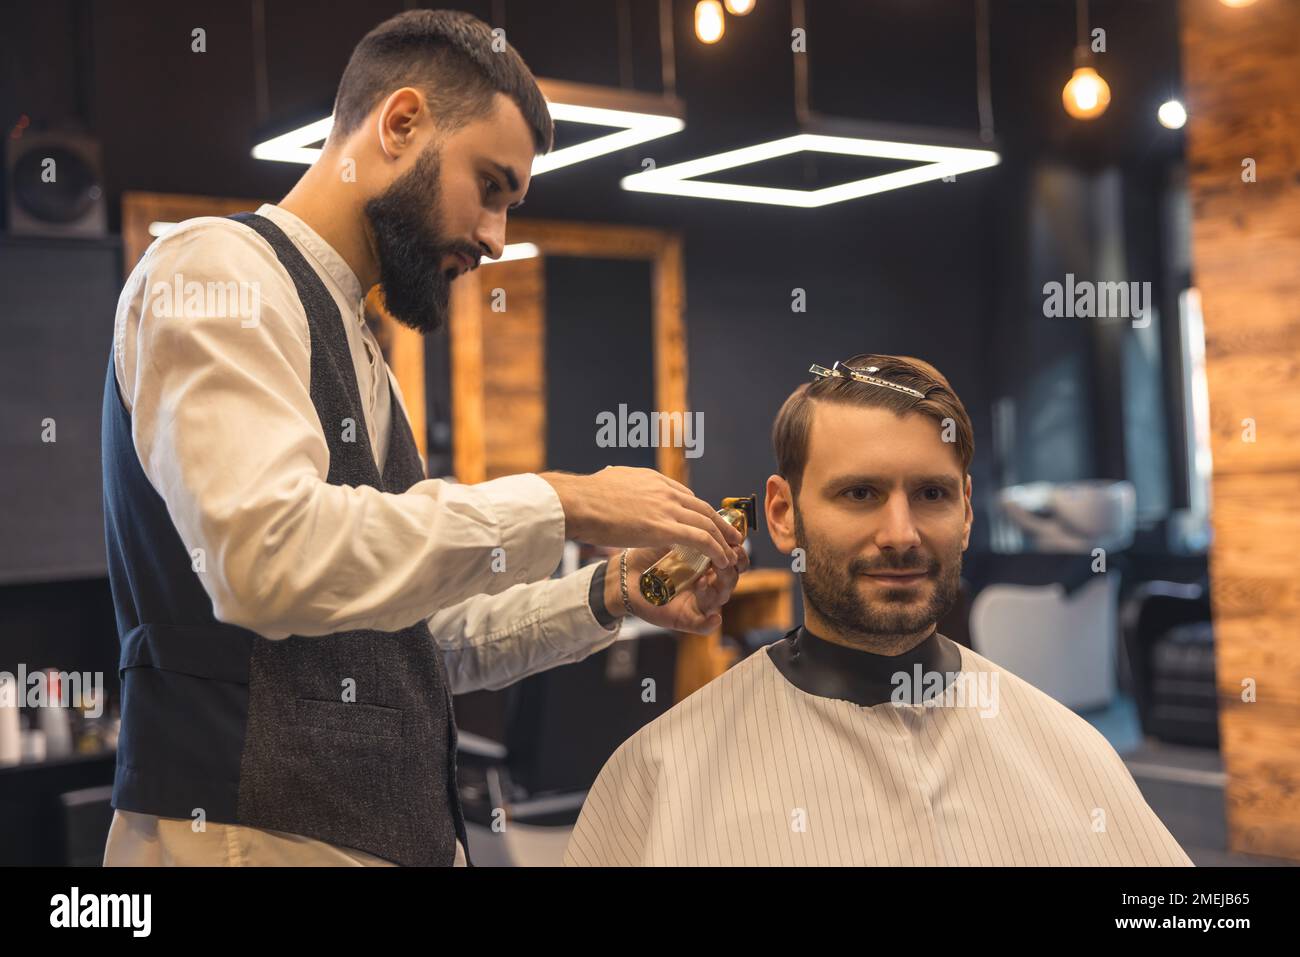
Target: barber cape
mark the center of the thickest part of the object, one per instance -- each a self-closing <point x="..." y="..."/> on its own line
<point x="811" y="753"/>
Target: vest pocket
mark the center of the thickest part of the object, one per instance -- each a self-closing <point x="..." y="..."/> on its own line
<point x="370" y="720"/>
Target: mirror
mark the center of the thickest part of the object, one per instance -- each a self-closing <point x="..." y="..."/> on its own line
<point x="568" y="310"/>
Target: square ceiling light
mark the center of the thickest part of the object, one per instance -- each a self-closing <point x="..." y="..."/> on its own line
<point x="513" y="251"/>
<point x="296" y="145"/>
<point x="636" y="118"/>
<point x="935" y="162"/>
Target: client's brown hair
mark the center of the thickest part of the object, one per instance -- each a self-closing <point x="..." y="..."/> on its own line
<point x="794" y="421"/>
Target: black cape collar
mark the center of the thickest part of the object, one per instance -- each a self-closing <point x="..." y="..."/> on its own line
<point x="828" y="670"/>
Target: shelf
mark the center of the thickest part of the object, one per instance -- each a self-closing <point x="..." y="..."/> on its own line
<point x="72" y="760"/>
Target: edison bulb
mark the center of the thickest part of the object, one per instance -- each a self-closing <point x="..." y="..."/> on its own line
<point x="709" y="23"/>
<point x="1087" y="95"/>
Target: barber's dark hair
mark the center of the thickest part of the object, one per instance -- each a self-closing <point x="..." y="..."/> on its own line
<point x="448" y="56"/>
<point x="793" y="423"/>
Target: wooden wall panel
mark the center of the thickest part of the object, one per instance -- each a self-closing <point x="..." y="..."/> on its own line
<point x="498" y="372"/>
<point x="1242" y="86"/>
<point x="514" y="359"/>
<point x="139" y="209"/>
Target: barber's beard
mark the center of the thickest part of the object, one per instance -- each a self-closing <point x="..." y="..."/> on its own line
<point x="410" y="246"/>
<point x="832" y="587"/>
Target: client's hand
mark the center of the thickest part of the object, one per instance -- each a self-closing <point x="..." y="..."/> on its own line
<point x="695" y="609"/>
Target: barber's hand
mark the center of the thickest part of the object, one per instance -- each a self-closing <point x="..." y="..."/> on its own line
<point x="695" y="609"/>
<point x="631" y="507"/>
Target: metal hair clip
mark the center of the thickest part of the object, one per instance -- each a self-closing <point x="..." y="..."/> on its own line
<point x="841" y="371"/>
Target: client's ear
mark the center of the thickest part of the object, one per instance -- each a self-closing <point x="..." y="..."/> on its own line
<point x="970" y="517"/>
<point x="778" y="506"/>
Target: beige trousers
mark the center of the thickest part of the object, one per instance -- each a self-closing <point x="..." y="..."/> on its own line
<point x="146" y="840"/>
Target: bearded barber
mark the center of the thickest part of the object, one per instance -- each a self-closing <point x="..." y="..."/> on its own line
<point x="296" y="602"/>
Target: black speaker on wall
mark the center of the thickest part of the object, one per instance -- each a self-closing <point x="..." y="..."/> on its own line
<point x="55" y="185"/>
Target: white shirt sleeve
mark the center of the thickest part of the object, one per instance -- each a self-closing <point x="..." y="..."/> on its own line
<point x="225" y="429"/>
<point x="493" y="641"/>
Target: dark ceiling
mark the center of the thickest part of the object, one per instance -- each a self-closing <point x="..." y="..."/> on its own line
<point x="177" y="121"/>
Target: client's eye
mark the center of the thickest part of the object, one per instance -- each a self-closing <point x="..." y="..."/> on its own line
<point x="852" y="493"/>
<point x="492" y="186"/>
<point x="941" y="496"/>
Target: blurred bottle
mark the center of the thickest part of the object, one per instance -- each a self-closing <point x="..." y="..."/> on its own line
<point x="53" y="719"/>
<point x="11" y="742"/>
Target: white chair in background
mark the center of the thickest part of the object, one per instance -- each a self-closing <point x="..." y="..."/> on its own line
<point x="521" y="845"/>
<point x="1062" y="644"/>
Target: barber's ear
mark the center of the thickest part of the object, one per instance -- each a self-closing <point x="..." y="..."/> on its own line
<point x="399" y="117"/>
<point x="778" y="508"/>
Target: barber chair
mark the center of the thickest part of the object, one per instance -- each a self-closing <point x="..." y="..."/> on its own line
<point x="528" y="754"/>
<point x="1168" y="647"/>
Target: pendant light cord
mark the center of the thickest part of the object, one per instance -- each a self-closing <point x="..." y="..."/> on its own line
<point x="625" y="43"/>
<point x="261" y="85"/>
<point x="667" y="61"/>
<point x="799" y="21"/>
<point x="983" y="83"/>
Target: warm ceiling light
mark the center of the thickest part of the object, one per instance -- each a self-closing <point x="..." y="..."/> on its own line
<point x="938" y="162"/>
<point x="1087" y="95"/>
<point x="636" y="117"/>
<point x="1172" y="114"/>
<point x="738" y="8"/>
<point x="1236" y="3"/>
<point x="709" y="22"/>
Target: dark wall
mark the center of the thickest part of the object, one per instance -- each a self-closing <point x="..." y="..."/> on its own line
<point x="56" y="305"/>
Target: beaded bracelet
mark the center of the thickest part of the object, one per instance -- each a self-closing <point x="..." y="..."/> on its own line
<point x="622" y="581"/>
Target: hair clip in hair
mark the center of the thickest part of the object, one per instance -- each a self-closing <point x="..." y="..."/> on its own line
<point x="841" y="371"/>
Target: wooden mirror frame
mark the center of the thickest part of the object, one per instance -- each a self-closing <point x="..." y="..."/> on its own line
<point x="470" y="389"/>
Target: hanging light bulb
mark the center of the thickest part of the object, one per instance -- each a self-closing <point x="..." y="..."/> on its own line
<point x="738" y="8"/>
<point x="1172" y="115"/>
<point x="1087" y="95"/>
<point x="709" y="23"/>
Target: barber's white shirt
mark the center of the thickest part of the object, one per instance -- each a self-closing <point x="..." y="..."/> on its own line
<point x="225" y="429"/>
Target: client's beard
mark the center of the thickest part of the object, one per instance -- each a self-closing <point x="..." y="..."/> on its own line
<point x="411" y="248"/>
<point x="833" y="592"/>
